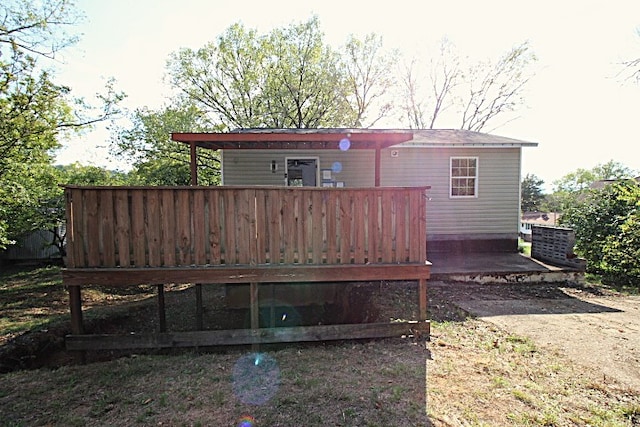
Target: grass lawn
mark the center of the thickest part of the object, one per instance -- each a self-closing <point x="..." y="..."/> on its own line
<point x="470" y="373"/>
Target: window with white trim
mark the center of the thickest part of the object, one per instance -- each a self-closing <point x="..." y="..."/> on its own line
<point x="463" y="177"/>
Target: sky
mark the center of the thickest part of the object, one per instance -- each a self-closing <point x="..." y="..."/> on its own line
<point x="578" y="108"/>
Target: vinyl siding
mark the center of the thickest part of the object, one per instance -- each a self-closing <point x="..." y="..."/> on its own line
<point x="253" y="167"/>
<point x="495" y="210"/>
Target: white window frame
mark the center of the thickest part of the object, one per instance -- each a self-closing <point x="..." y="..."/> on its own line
<point x="474" y="177"/>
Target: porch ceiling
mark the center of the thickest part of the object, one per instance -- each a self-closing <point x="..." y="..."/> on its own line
<point x="297" y="139"/>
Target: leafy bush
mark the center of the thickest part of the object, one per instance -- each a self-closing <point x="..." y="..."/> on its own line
<point x="621" y="253"/>
<point x="607" y="226"/>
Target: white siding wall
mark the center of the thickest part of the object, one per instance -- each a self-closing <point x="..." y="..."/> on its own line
<point x="494" y="211"/>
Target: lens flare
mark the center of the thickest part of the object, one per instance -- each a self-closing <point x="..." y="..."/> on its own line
<point x="246" y="421"/>
<point x="344" y="144"/>
<point x="336" y="167"/>
<point x="256" y="378"/>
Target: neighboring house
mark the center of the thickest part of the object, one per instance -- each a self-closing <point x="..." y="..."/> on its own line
<point x="597" y="185"/>
<point x="474" y="200"/>
<point x="529" y="219"/>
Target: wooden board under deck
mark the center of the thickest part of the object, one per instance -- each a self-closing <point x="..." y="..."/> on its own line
<point x="248" y="336"/>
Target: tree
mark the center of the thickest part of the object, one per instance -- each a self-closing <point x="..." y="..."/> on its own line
<point x="621" y="253"/>
<point x="606" y="222"/>
<point x="422" y="105"/>
<point x="570" y="188"/>
<point x="369" y="79"/>
<point x="37" y="28"/>
<point x="532" y="195"/>
<point x="35" y="113"/>
<point x="581" y="179"/>
<point x="631" y="68"/>
<point x="287" y="78"/>
<point x="495" y="89"/>
<point x="481" y="92"/>
<point x="158" y="160"/>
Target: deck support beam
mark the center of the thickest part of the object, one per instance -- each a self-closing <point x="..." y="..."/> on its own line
<point x="422" y="299"/>
<point x="248" y="337"/>
<point x="75" y="305"/>
<point x="162" y="316"/>
<point x="199" y="310"/>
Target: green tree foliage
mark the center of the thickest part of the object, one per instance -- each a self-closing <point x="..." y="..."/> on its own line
<point x="289" y="78"/>
<point x="582" y="179"/>
<point x="37" y="28"/>
<point x="31" y="107"/>
<point x="621" y="253"/>
<point x="157" y="160"/>
<point x="532" y="196"/>
<point x="77" y="174"/>
<point x="606" y="223"/>
<point x="569" y="189"/>
<point x="35" y="113"/>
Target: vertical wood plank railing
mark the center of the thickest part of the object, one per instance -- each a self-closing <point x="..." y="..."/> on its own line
<point x="211" y="226"/>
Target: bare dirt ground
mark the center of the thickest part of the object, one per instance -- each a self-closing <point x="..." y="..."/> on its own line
<point x="592" y="327"/>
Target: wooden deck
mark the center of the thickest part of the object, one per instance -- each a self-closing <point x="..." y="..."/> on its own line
<point x="216" y="235"/>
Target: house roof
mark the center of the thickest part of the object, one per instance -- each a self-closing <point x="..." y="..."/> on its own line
<point x="462" y="138"/>
<point x="540" y="218"/>
<point x="326" y="138"/>
<point x="597" y="185"/>
<point x="296" y="138"/>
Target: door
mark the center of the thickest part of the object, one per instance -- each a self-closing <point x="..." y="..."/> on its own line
<point x="302" y="172"/>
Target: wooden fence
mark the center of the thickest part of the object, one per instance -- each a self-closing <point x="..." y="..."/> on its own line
<point x="159" y="235"/>
<point x="210" y="226"/>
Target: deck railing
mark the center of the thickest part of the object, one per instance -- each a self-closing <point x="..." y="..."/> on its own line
<point x="211" y="226"/>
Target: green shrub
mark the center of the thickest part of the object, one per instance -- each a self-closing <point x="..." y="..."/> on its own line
<point x="607" y="226"/>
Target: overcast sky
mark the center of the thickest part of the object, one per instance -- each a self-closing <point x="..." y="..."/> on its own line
<point x="578" y="110"/>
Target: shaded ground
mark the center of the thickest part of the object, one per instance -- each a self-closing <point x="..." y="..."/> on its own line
<point x="591" y="327"/>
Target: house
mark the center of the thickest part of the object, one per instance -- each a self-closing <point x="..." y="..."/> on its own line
<point x="529" y="219"/>
<point x="600" y="184"/>
<point x="474" y="178"/>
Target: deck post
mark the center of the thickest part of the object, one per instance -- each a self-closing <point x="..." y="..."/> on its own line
<point x="376" y="178"/>
<point x="199" y="322"/>
<point x="75" y="305"/>
<point x="162" y="317"/>
<point x="254" y="306"/>
<point x="77" y="327"/>
<point x="422" y="296"/>
<point x="194" y="163"/>
<point x="272" y="308"/>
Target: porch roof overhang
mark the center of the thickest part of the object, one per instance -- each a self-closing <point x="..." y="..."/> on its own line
<point x="295" y="139"/>
<point x="338" y="138"/>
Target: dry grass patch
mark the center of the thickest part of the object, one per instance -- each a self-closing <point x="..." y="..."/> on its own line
<point x="483" y="376"/>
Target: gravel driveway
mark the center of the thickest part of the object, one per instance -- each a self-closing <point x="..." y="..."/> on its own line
<point x="590" y="327"/>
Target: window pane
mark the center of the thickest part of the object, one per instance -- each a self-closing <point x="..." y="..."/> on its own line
<point x="463" y="176"/>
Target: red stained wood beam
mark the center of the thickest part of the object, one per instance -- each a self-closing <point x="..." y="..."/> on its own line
<point x="292" y="140"/>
